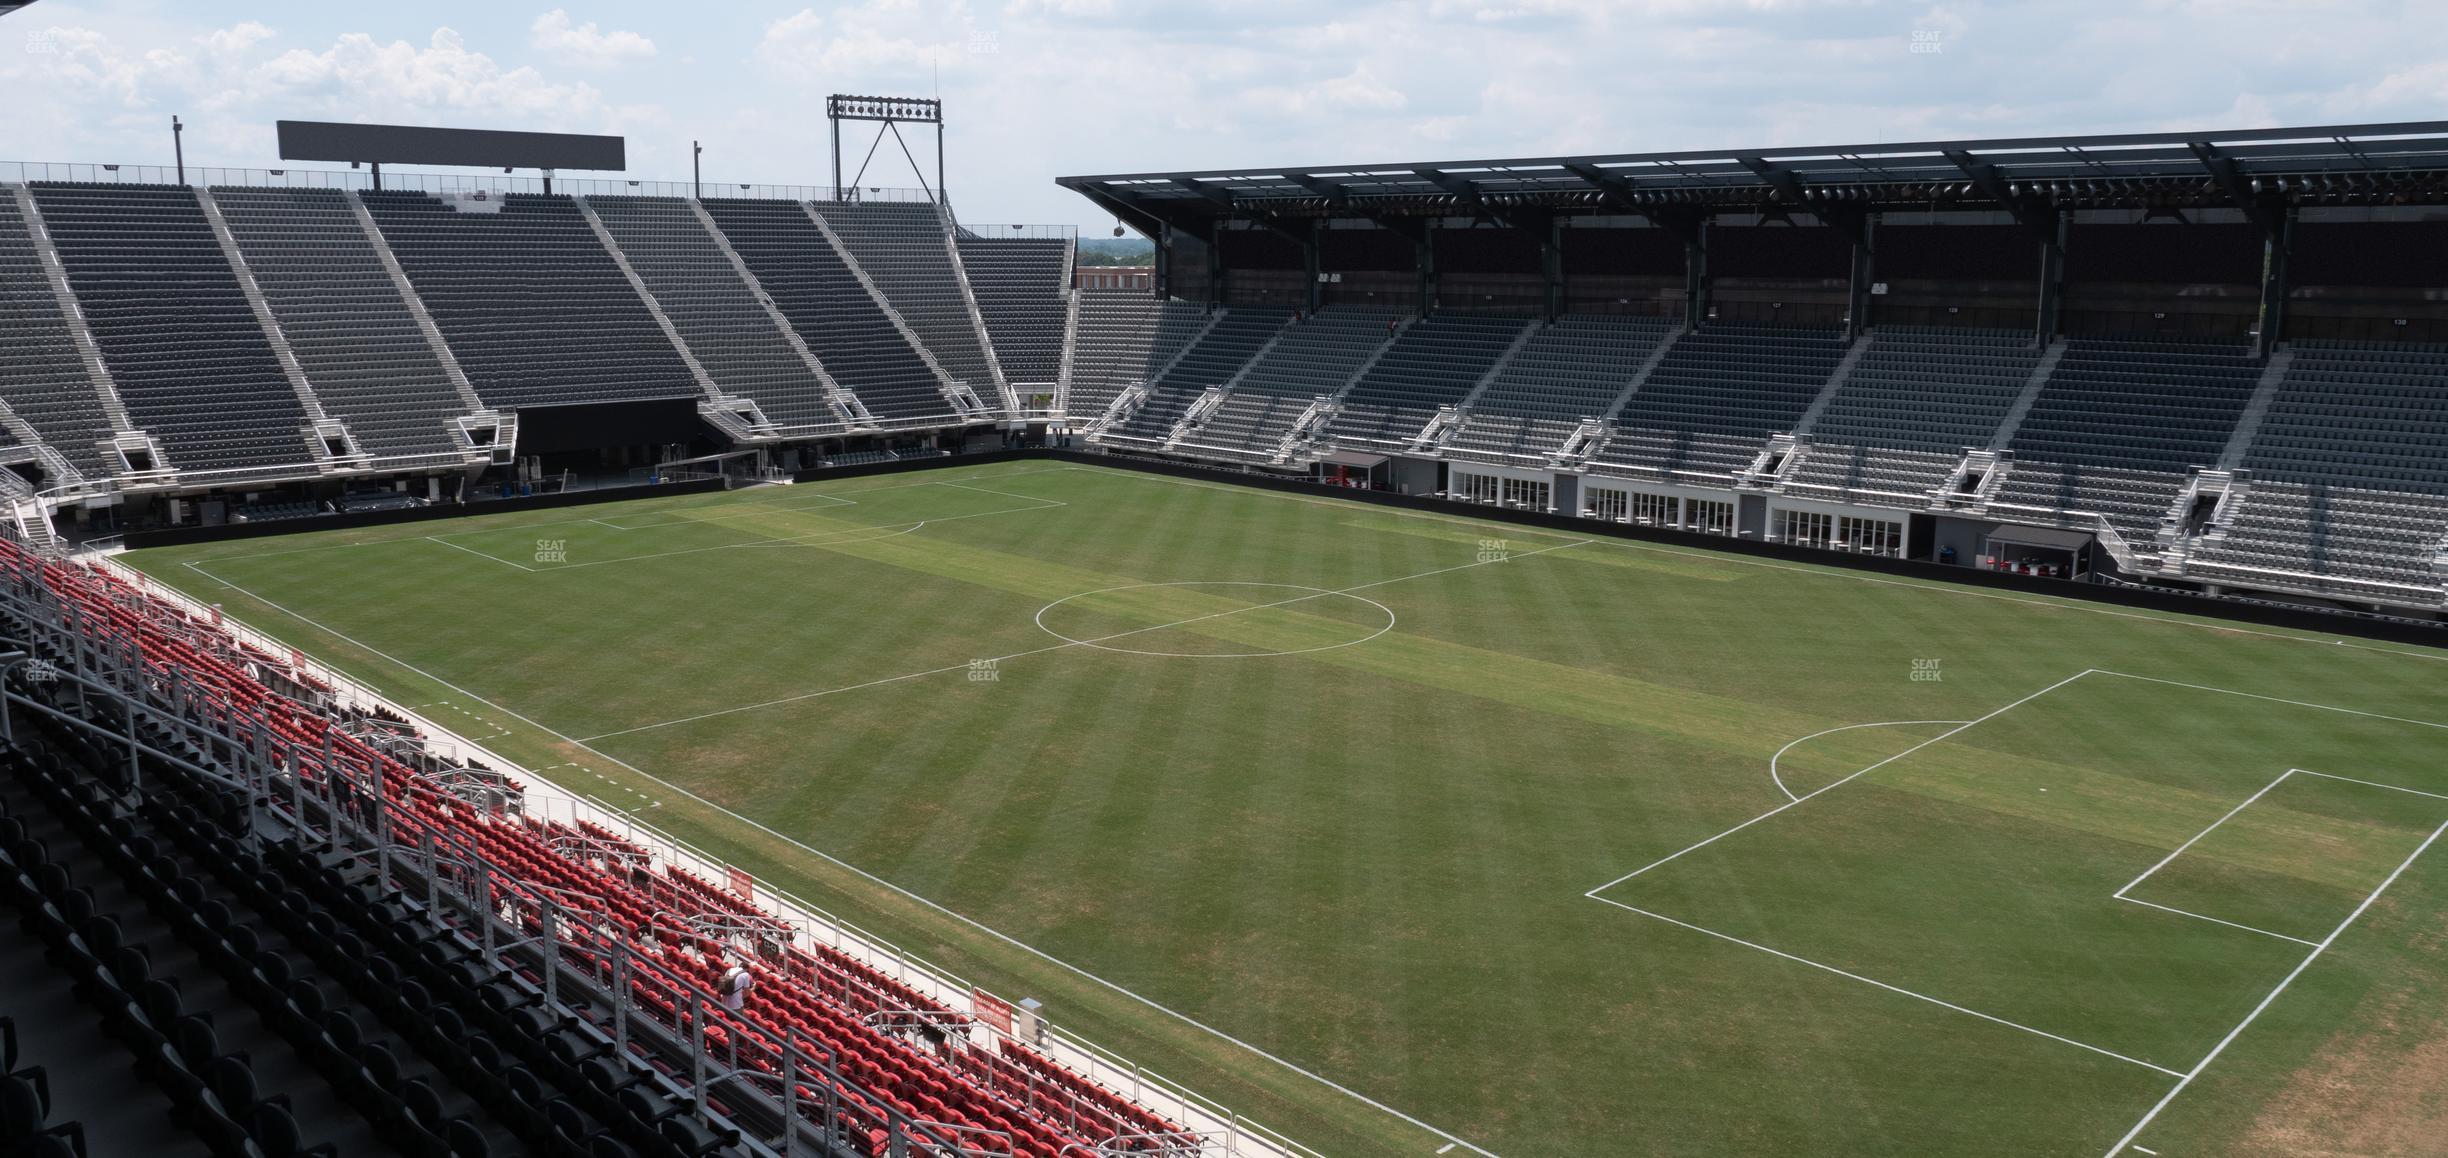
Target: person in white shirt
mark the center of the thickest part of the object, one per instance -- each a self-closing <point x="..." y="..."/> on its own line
<point x="734" y="986"/>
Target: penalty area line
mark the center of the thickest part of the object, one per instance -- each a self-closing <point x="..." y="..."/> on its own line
<point x="2186" y="1079"/>
<point x="1959" y="728"/>
<point x="1780" y="753"/>
<point x="1898" y="989"/>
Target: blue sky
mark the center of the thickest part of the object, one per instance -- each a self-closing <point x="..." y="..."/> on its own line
<point x="1039" y="88"/>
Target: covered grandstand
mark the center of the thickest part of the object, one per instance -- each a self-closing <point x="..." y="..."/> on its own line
<point x="2211" y="354"/>
<point x="2211" y="362"/>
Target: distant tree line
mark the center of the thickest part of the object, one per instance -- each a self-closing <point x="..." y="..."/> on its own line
<point x="1116" y="251"/>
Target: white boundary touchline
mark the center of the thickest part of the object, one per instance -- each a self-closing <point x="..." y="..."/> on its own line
<point x="880" y="882"/>
<point x="810" y="539"/>
<point x="1593" y="894"/>
<point x="1067" y="644"/>
<point x="731" y="496"/>
<point x="1893" y="988"/>
<point x="1822" y="572"/>
<point x="2276" y="700"/>
<point x="2189" y="842"/>
<point x="1780" y="753"/>
<point x="2282" y="778"/>
<point x="2186" y="1079"/>
<point x="2183" y="1080"/>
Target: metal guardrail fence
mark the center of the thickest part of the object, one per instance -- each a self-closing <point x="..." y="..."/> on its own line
<point x="1233" y="1134"/>
<point x="363" y="179"/>
<point x="1028" y="232"/>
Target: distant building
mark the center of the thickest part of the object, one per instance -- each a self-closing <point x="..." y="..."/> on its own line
<point x="1132" y="277"/>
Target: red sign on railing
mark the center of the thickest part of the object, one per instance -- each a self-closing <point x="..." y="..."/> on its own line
<point x="743" y="885"/>
<point x="991" y="1009"/>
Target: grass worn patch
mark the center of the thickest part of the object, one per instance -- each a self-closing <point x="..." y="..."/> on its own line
<point x="1362" y="845"/>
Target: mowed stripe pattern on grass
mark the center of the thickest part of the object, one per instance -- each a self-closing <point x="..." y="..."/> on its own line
<point x="1369" y="859"/>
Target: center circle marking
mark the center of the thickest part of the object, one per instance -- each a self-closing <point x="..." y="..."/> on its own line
<point x="1312" y="593"/>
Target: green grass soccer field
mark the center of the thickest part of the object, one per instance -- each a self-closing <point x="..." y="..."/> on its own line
<point x="1394" y="831"/>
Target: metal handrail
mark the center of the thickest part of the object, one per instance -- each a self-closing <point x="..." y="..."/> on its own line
<point x="13" y="172"/>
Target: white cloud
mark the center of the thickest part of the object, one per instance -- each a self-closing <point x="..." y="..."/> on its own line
<point x="557" y="36"/>
<point x="1084" y="86"/>
<point x="361" y="75"/>
<point x="236" y="39"/>
<point x="863" y="46"/>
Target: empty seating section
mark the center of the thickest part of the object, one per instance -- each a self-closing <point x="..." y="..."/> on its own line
<point x="1212" y="360"/>
<point x="370" y="364"/>
<point x="1314" y="356"/>
<point x="1713" y="400"/>
<point x="2346" y="478"/>
<point x="716" y="313"/>
<point x="2138" y="405"/>
<point x="1125" y="336"/>
<point x="1569" y="370"/>
<point x="2371" y="546"/>
<point x="1914" y="402"/>
<point x="2134" y="502"/>
<point x="2355" y="415"/>
<point x="2343" y="490"/>
<point x="1225" y="348"/>
<point x="1433" y="363"/>
<point x="533" y="308"/>
<point x="191" y="362"/>
<point x="2120" y="423"/>
<point x="1019" y="286"/>
<point x="1153" y="422"/>
<point x="678" y="930"/>
<point x="1874" y="474"/>
<point x="833" y="313"/>
<point x="901" y="246"/>
<point x="41" y="375"/>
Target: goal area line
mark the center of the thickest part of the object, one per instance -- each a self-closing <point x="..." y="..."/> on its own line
<point x="2184" y="1078"/>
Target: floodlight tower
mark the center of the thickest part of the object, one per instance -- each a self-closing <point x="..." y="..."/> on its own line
<point x="891" y="113"/>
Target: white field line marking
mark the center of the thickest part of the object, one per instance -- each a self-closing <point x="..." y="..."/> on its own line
<point x="2372" y="784"/>
<point x="2145" y="1150"/>
<point x="571" y="522"/>
<point x="878" y="881"/>
<point x="2186" y="1079"/>
<point x="1593" y="893"/>
<point x="838" y="534"/>
<point x="1039" y="620"/>
<point x="2163" y="861"/>
<point x="1445" y="1147"/>
<point x="1893" y="988"/>
<point x="2275" y="699"/>
<point x="825" y="538"/>
<point x="751" y="508"/>
<point x="479" y="554"/>
<point x="756" y="509"/>
<point x="2212" y="920"/>
<point x="1002" y="494"/>
<point x="1780" y="753"/>
<point x="1824" y="573"/>
<point x="964" y="664"/>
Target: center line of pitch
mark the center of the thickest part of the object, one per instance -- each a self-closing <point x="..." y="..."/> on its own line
<point x="965" y="664"/>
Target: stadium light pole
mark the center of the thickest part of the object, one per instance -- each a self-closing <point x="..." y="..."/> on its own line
<point x="178" y="147"/>
<point x="696" y="176"/>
